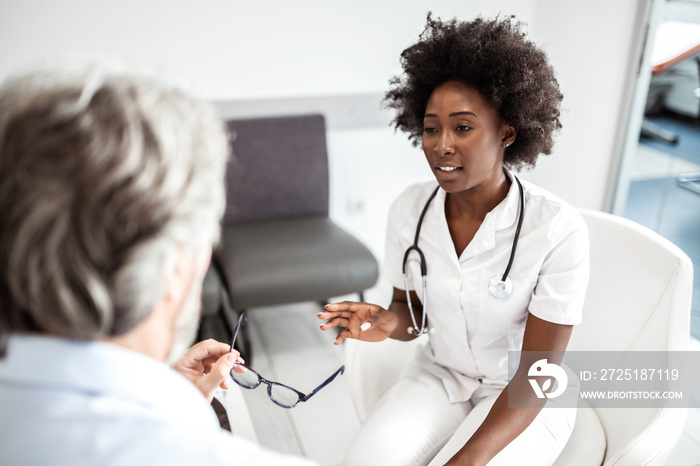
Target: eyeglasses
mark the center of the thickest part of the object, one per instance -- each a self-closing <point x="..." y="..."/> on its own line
<point x="280" y="394"/>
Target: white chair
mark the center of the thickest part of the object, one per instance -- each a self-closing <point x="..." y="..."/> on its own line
<point x="638" y="299"/>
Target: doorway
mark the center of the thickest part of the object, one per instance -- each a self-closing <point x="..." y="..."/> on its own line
<point x="661" y="168"/>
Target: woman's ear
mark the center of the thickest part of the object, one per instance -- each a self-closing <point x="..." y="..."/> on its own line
<point x="509" y="134"/>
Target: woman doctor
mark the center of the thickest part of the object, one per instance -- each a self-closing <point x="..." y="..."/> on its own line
<point x="506" y="266"/>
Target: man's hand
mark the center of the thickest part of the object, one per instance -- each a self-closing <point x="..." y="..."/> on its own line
<point x="207" y="365"/>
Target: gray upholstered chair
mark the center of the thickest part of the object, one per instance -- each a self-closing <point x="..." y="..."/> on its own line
<point x="279" y="245"/>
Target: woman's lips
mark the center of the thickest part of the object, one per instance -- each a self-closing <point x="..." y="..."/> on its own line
<point x="447" y="173"/>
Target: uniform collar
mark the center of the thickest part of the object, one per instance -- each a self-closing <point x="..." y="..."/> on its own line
<point x="503" y="216"/>
<point x="506" y="212"/>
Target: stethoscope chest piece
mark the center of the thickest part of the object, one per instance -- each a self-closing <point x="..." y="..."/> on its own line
<point x="499" y="288"/>
<point x="417" y="331"/>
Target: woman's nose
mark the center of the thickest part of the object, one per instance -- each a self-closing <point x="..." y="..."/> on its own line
<point x="444" y="144"/>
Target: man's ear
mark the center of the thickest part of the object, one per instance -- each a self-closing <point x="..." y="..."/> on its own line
<point x="154" y="336"/>
<point x="179" y="277"/>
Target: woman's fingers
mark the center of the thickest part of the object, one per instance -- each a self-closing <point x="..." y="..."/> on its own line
<point x="346" y="323"/>
<point x="347" y="314"/>
<point x="325" y="315"/>
<point x="352" y="307"/>
<point x="358" y="334"/>
<point x="336" y="322"/>
<point x="362" y="321"/>
<point x="342" y="335"/>
<point x="349" y="310"/>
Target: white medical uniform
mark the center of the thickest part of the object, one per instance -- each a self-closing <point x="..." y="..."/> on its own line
<point x="454" y="381"/>
<point x="86" y="403"/>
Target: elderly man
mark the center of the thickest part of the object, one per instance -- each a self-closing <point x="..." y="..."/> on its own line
<point x="111" y="192"/>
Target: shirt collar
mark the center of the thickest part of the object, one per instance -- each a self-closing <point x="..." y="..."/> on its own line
<point x="503" y="216"/>
<point x="506" y="212"/>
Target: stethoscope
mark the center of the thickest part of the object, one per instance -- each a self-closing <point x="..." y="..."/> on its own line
<point x="500" y="286"/>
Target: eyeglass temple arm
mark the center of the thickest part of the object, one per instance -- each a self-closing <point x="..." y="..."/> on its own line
<point x="328" y="380"/>
<point x="242" y="320"/>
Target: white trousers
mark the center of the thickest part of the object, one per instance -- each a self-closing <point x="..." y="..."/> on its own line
<point x="415" y="423"/>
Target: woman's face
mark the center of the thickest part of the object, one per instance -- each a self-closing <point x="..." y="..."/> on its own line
<point x="464" y="138"/>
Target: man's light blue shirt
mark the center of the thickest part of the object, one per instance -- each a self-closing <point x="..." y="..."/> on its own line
<point x="93" y="403"/>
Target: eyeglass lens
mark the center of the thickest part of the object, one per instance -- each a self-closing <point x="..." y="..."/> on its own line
<point x="280" y="394"/>
<point x="283" y="395"/>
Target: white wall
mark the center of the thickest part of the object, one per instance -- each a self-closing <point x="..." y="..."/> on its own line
<point x="233" y="49"/>
<point x="282" y="56"/>
<point x="276" y="56"/>
<point x="594" y="47"/>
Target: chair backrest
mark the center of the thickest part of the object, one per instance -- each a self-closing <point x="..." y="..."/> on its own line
<point x="638" y="299"/>
<point x="279" y="168"/>
<point x="639" y="293"/>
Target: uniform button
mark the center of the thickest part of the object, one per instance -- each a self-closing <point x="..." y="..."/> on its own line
<point x="459" y="315"/>
<point x="457" y="272"/>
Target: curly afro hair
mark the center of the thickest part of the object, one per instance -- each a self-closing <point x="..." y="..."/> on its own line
<point x="495" y="58"/>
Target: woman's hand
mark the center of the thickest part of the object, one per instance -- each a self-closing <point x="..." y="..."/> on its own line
<point x="207" y="365"/>
<point x="361" y="321"/>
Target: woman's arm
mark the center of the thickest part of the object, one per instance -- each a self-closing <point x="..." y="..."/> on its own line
<point x="379" y="323"/>
<point x="503" y="424"/>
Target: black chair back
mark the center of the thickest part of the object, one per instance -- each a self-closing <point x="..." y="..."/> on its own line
<point x="279" y="169"/>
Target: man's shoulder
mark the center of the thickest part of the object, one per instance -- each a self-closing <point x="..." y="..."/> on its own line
<point x="186" y="444"/>
<point x="109" y="433"/>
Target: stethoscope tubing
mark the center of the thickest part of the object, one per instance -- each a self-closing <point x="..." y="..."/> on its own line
<point x="414" y="247"/>
<point x="517" y="230"/>
<point x="424" y="268"/>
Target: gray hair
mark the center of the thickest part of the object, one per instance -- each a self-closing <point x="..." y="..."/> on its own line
<point x="102" y="177"/>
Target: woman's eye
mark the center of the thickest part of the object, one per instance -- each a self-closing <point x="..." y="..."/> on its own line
<point x="429" y="129"/>
<point x="463" y="128"/>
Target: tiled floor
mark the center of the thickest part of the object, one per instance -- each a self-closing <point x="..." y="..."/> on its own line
<point x="288" y="347"/>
